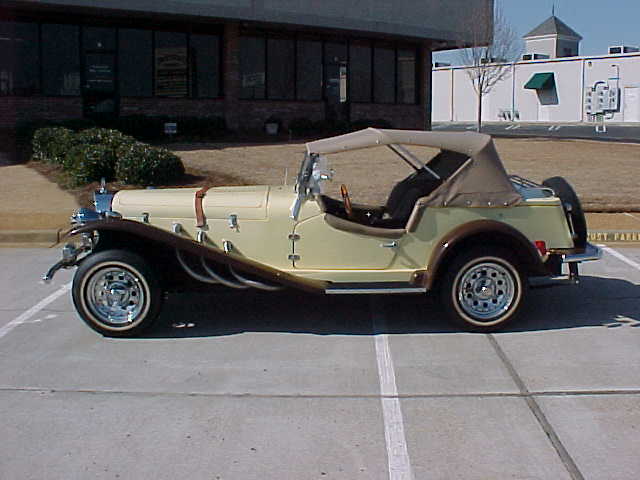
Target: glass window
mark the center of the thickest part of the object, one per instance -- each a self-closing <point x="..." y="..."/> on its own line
<point x="252" y="67"/>
<point x="309" y="70"/>
<point x="406" y="76"/>
<point x="171" y="64"/>
<point x="135" y="63"/>
<point x="384" y="75"/>
<point x="60" y="60"/>
<point x="360" y="71"/>
<point x="19" y="62"/>
<point x="96" y="39"/>
<point x="281" y="65"/>
<point x="205" y="65"/>
<point x="335" y="61"/>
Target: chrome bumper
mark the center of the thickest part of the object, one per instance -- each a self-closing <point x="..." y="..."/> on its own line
<point x="591" y="253"/>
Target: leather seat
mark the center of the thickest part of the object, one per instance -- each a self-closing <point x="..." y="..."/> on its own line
<point x="403" y="197"/>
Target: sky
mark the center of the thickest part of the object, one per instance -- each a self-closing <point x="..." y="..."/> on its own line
<point x="601" y="23"/>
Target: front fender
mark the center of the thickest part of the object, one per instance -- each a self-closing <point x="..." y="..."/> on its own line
<point x="148" y="233"/>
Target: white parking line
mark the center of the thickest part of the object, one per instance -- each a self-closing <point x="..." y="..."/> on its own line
<point x="24" y="318"/>
<point x="397" y="452"/>
<point x="621" y="257"/>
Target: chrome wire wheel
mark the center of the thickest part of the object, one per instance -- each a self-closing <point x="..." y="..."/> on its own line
<point x="486" y="291"/>
<point x="116" y="295"/>
<point x="483" y="288"/>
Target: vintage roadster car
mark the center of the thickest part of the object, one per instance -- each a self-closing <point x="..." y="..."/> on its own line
<point x="458" y="225"/>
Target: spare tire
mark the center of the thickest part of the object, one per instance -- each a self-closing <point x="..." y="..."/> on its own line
<point x="572" y="208"/>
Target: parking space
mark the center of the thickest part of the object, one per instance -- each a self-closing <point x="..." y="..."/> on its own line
<point x="298" y="386"/>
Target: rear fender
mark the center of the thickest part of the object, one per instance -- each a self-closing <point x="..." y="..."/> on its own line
<point x="481" y="232"/>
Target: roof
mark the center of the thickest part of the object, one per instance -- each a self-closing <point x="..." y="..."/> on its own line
<point x="468" y="143"/>
<point x="553" y="26"/>
<point x="541" y="81"/>
<point x="481" y="182"/>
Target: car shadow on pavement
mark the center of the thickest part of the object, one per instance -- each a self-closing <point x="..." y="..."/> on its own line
<point x="596" y="302"/>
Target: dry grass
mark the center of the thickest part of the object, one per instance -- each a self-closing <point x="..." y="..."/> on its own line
<point x="605" y="175"/>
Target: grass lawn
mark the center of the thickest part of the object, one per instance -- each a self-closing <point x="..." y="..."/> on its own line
<point x="605" y="175"/>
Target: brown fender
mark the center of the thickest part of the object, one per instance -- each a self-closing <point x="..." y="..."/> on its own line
<point x="489" y="232"/>
<point x="171" y="240"/>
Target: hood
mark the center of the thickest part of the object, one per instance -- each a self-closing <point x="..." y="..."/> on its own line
<point x="246" y="202"/>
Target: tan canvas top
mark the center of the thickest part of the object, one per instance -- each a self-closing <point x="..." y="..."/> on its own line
<point x="480" y="182"/>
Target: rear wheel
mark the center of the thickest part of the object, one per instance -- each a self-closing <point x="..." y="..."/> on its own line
<point x="483" y="289"/>
<point x="571" y="204"/>
<point x="117" y="293"/>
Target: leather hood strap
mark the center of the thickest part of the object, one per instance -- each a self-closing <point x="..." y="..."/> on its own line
<point x="201" y="220"/>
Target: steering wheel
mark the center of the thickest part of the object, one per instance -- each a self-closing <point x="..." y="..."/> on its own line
<point x="348" y="208"/>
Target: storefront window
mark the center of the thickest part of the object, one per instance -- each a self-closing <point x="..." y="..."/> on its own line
<point x="360" y="71"/>
<point x="384" y="72"/>
<point x="252" y="67"/>
<point x="407" y="76"/>
<point x="60" y="60"/>
<point x="19" y="61"/>
<point x="205" y="65"/>
<point x="98" y="39"/>
<point x="309" y="70"/>
<point x="171" y="65"/>
<point x="281" y="68"/>
<point x="135" y="63"/>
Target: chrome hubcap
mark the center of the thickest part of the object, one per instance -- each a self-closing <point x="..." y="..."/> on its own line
<point x="486" y="291"/>
<point x="116" y="296"/>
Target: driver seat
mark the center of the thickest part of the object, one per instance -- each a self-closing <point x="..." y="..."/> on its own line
<point x="403" y="198"/>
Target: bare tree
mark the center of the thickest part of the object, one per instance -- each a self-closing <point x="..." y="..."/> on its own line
<point x="492" y="47"/>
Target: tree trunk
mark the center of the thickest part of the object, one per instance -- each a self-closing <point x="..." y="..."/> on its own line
<point x="479" y="119"/>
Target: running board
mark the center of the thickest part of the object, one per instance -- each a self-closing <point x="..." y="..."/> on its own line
<point x="385" y="288"/>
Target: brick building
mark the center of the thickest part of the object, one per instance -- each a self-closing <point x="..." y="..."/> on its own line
<point x="241" y="59"/>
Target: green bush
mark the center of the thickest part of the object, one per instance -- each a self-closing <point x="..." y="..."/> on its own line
<point x="102" y="136"/>
<point x="86" y="163"/>
<point x="141" y="164"/>
<point x="51" y="144"/>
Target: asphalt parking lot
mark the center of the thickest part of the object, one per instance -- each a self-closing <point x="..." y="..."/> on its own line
<point x="629" y="133"/>
<point x="290" y="386"/>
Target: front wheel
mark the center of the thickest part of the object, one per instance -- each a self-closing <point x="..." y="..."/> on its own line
<point x="117" y="293"/>
<point x="483" y="289"/>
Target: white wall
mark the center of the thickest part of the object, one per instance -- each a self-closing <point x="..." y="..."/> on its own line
<point x="563" y="104"/>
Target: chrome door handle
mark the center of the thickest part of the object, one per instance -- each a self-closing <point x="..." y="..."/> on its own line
<point x="393" y="244"/>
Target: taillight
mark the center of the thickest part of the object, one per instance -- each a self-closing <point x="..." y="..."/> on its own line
<point x="541" y="245"/>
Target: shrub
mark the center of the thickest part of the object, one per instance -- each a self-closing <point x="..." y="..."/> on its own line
<point x="101" y="136"/>
<point x="51" y="144"/>
<point x="141" y="164"/>
<point x="86" y="163"/>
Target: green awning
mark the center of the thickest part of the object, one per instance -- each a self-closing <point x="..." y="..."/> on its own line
<point x="541" y="81"/>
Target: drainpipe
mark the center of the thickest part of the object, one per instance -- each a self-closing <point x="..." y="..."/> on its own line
<point x="513" y="91"/>
<point x="452" y="101"/>
<point x="584" y="89"/>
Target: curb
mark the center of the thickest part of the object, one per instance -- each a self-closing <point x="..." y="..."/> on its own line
<point x="628" y="236"/>
<point x="52" y="237"/>
<point x="28" y="237"/>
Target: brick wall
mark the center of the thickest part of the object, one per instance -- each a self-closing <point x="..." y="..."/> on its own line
<point x="253" y="113"/>
<point x="14" y="110"/>
<point x="186" y="107"/>
<point x="400" y="116"/>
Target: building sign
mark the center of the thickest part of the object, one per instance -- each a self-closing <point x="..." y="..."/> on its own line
<point x="171" y="72"/>
<point x="253" y="80"/>
<point x="99" y="72"/>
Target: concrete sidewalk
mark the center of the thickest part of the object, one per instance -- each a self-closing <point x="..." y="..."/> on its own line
<point x="35" y="210"/>
<point x="32" y="209"/>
